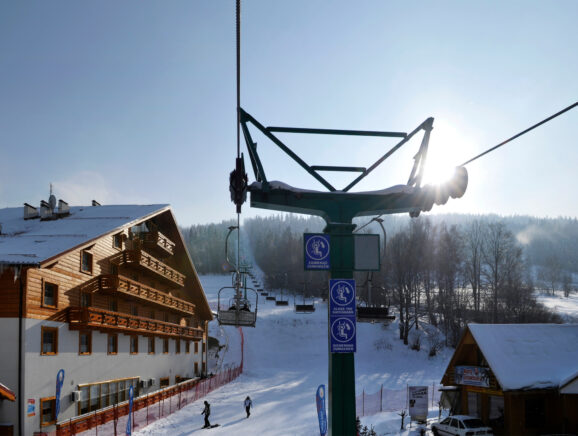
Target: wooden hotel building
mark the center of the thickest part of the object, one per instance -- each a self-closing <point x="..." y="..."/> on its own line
<point x="107" y="294"/>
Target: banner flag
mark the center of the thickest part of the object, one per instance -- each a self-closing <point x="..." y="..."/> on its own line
<point x="59" y="382"/>
<point x="129" y="421"/>
<point x="321" y="413"/>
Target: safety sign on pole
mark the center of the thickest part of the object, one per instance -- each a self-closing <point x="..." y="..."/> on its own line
<point x="316" y="247"/>
<point x="342" y="324"/>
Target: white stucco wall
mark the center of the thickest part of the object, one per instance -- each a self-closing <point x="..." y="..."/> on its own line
<point x="41" y="371"/>
<point x="9" y="369"/>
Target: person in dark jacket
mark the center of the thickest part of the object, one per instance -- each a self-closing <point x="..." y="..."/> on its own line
<point x="206" y="411"/>
<point x="248" y="403"/>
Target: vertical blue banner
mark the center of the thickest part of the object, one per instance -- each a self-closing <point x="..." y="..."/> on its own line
<point x="321" y="413"/>
<point x="342" y="323"/>
<point x="59" y="382"/>
<point x="129" y="422"/>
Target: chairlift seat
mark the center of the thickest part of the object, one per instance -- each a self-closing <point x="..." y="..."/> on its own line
<point x="281" y="303"/>
<point x="270" y="297"/>
<point x="304" y="308"/>
<point x="374" y="314"/>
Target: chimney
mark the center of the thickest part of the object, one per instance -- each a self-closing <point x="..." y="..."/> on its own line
<point x="63" y="208"/>
<point x="45" y="210"/>
<point x="30" y="212"/>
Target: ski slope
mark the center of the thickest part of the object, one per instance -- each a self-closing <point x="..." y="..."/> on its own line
<point x="285" y="361"/>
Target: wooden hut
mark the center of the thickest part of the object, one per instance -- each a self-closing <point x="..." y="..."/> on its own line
<point x="520" y="379"/>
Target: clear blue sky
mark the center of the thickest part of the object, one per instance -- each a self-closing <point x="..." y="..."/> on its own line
<point x="134" y="101"/>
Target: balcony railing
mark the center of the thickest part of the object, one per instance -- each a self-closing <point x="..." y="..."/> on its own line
<point x="142" y="259"/>
<point x="113" y="283"/>
<point x="80" y="318"/>
<point x="157" y="241"/>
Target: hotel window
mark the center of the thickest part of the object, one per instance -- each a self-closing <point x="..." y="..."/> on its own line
<point x="49" y="295"/>
<point x="112" y="344"/>
<point x="164" y="382"/>
<point x="84" y="342"/>
<point x="98" y="395"/>
<point x="177" y="346"/>
<point x="188" y="347"/>
<point x="166" y="317"/>
<point x="85" y="299"/>
<point x="134" y="309"/>
<point x="165" y="346"/>
<point x="133" y="344"/>
<point x="47" y="409"/>
<point x="86" y="262"/>
<point x="197" y="368"/>
<point x="117" y="241"/>
<point x="49" y="344"/>
<point x="196" y="347"/>
<point x="113" y="304"/>
<point x="151" y="345"/>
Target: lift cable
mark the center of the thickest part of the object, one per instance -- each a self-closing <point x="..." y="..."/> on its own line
<point x="572" y="106"/>
<point x="238" y="43"/>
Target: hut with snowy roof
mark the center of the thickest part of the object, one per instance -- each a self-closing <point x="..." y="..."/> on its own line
<point x="521" y="379"/>
<point x="96" y="300"/>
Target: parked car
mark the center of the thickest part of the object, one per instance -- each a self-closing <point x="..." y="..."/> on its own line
<point x="461" y="425"/>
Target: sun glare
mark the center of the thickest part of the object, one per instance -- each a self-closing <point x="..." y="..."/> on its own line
<point x="447" y="149"/>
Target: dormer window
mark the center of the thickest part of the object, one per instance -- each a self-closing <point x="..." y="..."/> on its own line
<point x="86" y="261"/>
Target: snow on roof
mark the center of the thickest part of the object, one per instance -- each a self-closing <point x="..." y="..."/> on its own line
<point x="33" y="241"/>
<point x="529" y="356"/>
<point x="396" y="189"/>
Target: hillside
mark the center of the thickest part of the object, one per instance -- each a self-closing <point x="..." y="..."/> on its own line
<point x="285" y="361"/>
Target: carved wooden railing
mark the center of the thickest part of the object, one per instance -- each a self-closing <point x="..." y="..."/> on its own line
<point x="112" y="283"/>
<point x="142" y="258"/>
<point x="93" y="318"/>
<point x="157" y="240"/>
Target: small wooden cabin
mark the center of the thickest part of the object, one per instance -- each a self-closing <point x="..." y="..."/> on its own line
<point x="109" y="295"/>
<point x="520" y="379"/>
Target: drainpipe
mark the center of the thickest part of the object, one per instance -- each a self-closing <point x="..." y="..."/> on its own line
<point x="19" y="274"/>
<point x="206" y="349"/>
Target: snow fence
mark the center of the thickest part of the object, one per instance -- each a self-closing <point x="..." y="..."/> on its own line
<point x="146" y="408"/>
<point x="390" y="400"/>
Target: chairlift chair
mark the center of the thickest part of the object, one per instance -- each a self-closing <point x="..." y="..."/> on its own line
<point x="374" y="314"/>
<point x="237" y="312"/>
<point x="305" y="307"/>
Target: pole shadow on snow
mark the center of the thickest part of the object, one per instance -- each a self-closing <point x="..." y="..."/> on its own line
<point x="234" y="422"/>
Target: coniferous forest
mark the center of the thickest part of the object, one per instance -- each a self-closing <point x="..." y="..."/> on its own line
<point x="444" y="270"/>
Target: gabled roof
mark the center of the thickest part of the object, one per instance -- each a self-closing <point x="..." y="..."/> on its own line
<point x="32" y="241"/>
<point x="529" y="356"/>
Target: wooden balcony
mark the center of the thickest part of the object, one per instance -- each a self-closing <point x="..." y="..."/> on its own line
<point x="157" y="242"/>
<point x="82" y="318"/>
<point x="141" y="259"/>
<point x="111" y="284"/>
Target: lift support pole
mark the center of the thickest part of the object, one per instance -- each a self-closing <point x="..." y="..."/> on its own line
<point x="341" y="390"/>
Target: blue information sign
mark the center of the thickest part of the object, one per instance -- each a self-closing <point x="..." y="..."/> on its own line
<point x="316" y="251"/>
<point x="342" y="325"/>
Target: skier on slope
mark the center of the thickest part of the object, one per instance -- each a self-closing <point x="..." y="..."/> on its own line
<point x="206" y="411"/>
<point x="248" y="403"/>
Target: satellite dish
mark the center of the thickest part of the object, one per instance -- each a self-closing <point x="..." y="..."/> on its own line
<point x="52" y="201"/>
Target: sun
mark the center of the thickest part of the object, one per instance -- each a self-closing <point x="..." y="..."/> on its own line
<point x="447" y="149"/>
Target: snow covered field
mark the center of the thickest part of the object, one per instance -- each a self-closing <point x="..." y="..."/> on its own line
<point x="285" y="361"/>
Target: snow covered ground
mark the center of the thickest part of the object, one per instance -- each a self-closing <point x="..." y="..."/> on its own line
<point x="286" y="360"/>
<point x="567" y="308"/>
